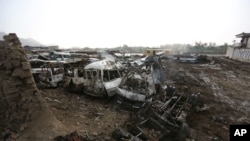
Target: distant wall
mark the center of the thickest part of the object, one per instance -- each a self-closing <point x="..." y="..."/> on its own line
<point x="242" y="54"/>
<point x="152" y="52"/>
<point x="230" y="52"/>
<point x="248" y="43"/>
<point x="149" y="52"/>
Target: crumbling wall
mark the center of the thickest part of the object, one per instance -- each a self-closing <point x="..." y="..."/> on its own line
<point x="23" y="110"/>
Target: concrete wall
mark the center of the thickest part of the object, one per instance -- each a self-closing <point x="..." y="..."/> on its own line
<point x="248" y="43"/>
<point x="230" y="52"/>
<point x="150" y="52"/>
<point x="242" y="54"/>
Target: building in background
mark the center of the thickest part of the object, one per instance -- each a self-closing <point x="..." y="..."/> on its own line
<point x="41" y="48"/>
<point x="240" y="50"/>
<point x="152" y="52"/>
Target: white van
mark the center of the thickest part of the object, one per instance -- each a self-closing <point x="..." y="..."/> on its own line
<point x="51" y="77"/>
<point x="101" y="78"/>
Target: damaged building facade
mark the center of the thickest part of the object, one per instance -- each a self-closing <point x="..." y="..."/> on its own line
<point x="240" y="50"/>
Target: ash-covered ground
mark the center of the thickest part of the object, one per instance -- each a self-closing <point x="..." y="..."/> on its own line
<point x="223" y="85"/>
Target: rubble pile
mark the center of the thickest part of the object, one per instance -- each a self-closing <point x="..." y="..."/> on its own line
<point x="161" y="119"/>
<point x="17" y="85"/>
<point x="21" y="103"/>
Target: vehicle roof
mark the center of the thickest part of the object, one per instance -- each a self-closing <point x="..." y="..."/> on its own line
<point x="102" y="65"/>
<point x="61" y="53"/>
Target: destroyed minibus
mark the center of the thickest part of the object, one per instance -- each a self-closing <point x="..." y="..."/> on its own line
<point x="136" y="87"/>
<point x="140" y="83"/>
<point x="100" y="78"/>
<point x="50" y="76"/>
<point x="47" y="73"/>
<point x="73" y="79"/>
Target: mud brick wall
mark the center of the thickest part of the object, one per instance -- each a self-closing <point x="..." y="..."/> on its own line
<point x="19" y="96"/>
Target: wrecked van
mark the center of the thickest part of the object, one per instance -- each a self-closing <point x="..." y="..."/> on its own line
<point x="139" y="84"/>
<point x="51" y="77"/>
<point x="73" y="79"/>
<point x="47" y="73"/>
<point x="135" y="90"/>
<point x="136" y="87"/>
<point x="101" y="78"/>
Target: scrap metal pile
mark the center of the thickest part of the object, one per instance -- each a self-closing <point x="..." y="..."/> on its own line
<point x="162" y="111"/>
<point x="161" y="120"/>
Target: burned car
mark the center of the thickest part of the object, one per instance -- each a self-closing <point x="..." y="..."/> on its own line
<point x="47" y="73"/>
<point x="73" y="79"/>
<point x="140" y="83"/>
<point x="137" y="88"/>
<point x="50" y="76"/>
<point x="73" y="74"/>
<point x="101" y="78"/>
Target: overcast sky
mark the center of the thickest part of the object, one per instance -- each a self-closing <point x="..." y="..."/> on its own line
<point x="111" y="23"/>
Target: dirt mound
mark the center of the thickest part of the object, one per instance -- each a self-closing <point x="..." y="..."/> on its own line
<point x="24" y="112"/>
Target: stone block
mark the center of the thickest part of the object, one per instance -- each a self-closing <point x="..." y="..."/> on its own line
<point x="11" y="37"/>
<point x="12" y="99"/>
<point x="21" y="50"/>
<point x="29" y="92"/>
<point x="17" y="42"/>
<point x="15" y="82"/>
<point x="7" y="50"/>
<point x="26" y="74"/>
<point x="17" y="72"/>
<point x="7" y="65"/>
<point x="15" y="55"/>
<point x="10" y="86"/>
<point x="1" y="44"/>
<point x="26" y="65"/>
<point x="29" y="81"/>
<point x="10" y="91"/>
<point x="15" y="63"/>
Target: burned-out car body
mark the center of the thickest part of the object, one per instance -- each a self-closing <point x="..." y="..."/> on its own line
<point x="73" y="79"/>
<point x="47" y="73"/>
<point x="136" y="87"/>
<point x="50" y="77"/>
<point x="163" y="120"/>
<point x="140" y="83"/>
<point x="101" y="78"/>
<point x="135" y="90"/>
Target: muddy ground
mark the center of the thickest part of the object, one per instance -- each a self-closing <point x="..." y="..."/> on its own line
<point x="224" y="90"/>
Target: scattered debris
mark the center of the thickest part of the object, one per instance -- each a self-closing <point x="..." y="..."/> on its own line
<point x="191" y="58"/>
<point x="163" y="95"/>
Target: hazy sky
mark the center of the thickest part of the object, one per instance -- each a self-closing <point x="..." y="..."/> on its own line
<point x="111" y="23"/>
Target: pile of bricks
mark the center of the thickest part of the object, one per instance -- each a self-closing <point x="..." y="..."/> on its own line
<point x="19" y="96"/>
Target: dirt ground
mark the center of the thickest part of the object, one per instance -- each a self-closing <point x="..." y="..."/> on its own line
<point x="224" y="90"/>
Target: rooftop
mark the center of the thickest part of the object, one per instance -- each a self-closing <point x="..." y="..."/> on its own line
<point x="243" y="35"/>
